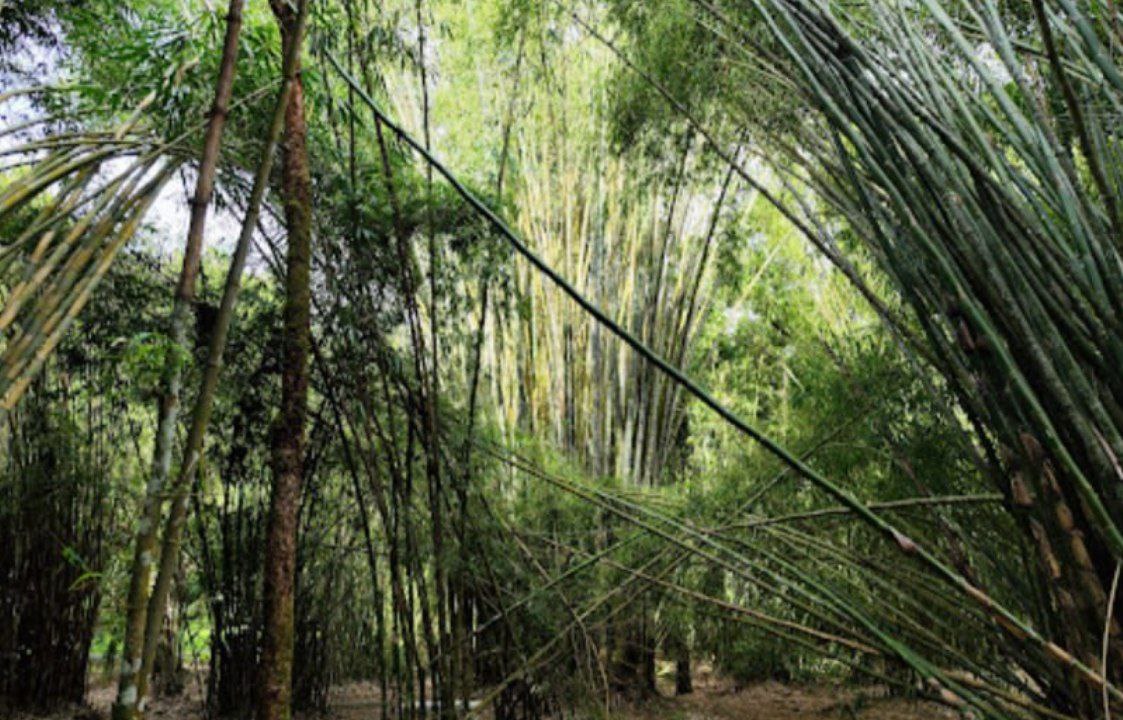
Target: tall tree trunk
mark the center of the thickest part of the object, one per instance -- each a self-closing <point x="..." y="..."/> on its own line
<point x="275" y="670"/>
<point x="130" y="702"/>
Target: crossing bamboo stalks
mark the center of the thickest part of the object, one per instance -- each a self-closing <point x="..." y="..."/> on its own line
<point x="1010" y="622"/>
<point x="991" y="303"/>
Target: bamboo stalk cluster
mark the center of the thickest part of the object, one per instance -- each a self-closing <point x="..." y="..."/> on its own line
<point x="973" y="152"/>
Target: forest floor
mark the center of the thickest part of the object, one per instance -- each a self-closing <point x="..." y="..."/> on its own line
<point x="713" y="699"/>
<point x="719" y="701"/>
<point x="778" y="701"/>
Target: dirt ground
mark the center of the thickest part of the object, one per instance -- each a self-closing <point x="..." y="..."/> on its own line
<point x="775" y="701"/>
<point x="712" y="700"/>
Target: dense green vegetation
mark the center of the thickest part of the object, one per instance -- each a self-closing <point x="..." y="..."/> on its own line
<point x="506" y="355"/>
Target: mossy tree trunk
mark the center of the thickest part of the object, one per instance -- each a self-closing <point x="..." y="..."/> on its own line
<point x="275" y="669"/>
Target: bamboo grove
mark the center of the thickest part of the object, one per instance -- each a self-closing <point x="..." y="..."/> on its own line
<point x="504" y="357"/>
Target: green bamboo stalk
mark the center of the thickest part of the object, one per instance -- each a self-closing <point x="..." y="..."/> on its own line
<point x="179" y="489"/>
<point x="132" y="680"/>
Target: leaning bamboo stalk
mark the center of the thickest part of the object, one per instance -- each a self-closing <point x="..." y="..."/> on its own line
<point x="543" y="652"/>
<point x="565" y="600"/>
<point x="24" y="354"/>
<point x="65" y="164"/>
<point x="61" y="323"/>
<point x="32" y="90"/>
<point x="178" y="490"/>
<point x="925" y="501"/>
<point x="69" y="198"/>
<point x="83" y="158"/>
<point x="75" y="246"/>
<point x="40" y="264"/>
<point x="811" y="601"/>
<point x="899" y="602"/>
<point x="632" y="514"/>
<point x="49" y="172"/>
<point x="132" y="688"/>
<point x="79" y="248"/>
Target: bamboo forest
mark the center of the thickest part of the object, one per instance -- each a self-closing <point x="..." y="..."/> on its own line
<point x="535" y="359"/>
